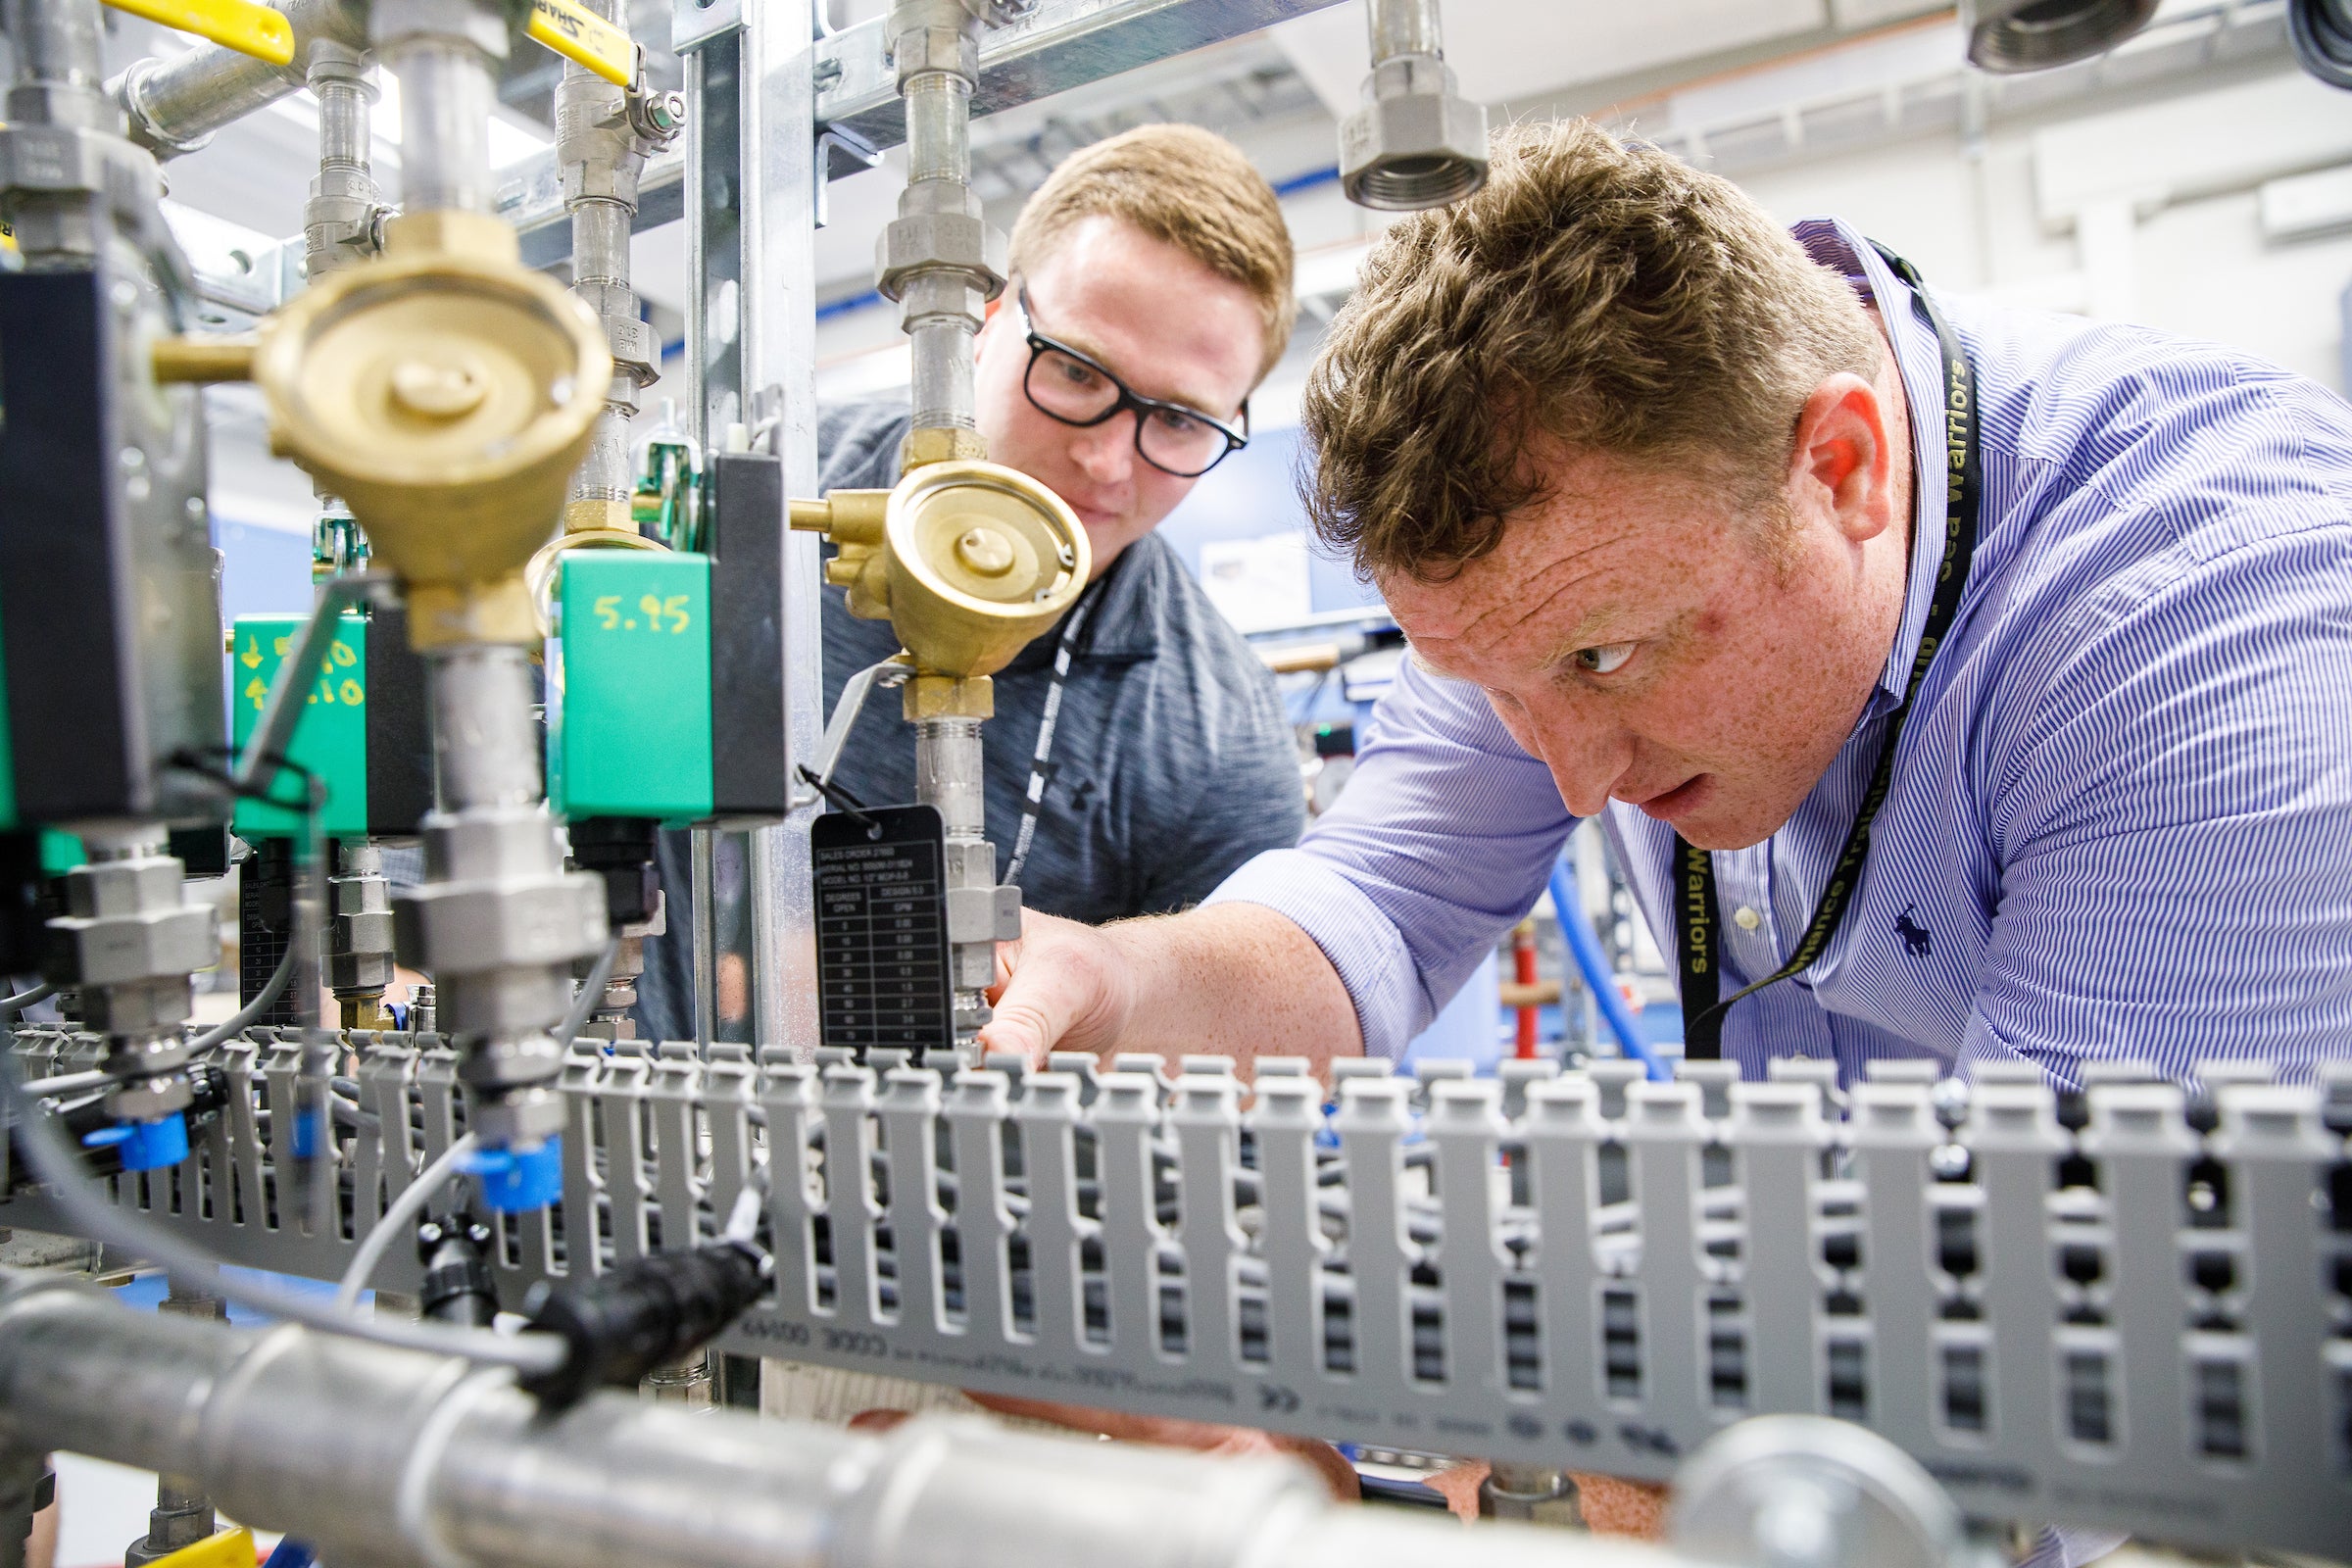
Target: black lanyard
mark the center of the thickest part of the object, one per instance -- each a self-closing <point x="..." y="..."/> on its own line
<point x="1694" y="869"/>
<point x="1041" y="763"/>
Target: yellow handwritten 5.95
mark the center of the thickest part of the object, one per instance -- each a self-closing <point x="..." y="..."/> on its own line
<point x="653" y="613"/>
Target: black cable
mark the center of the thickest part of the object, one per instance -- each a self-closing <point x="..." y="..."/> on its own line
<point x="838" y="798"/>
<point x="2322" y="30"/>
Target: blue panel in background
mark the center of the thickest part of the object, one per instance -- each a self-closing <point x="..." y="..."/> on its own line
<point x="263" y="571"/>
<point x="1249" y="495"/>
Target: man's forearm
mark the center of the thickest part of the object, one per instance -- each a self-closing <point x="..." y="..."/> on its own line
<point x="1234" y="980"/>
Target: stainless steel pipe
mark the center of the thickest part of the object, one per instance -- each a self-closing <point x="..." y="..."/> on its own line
<point x="1404" y="28"/>
<point x="58" y="64"/>
<point x="339" y="222"/>
<point x="174" y="104"/>
<point x="447" y="92"/>
<point x="390" y="1458"/>
<point x="64" y="127"/>
<point x="485" y="746"/>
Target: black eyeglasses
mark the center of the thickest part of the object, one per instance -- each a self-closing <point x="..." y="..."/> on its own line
<point x="1076" y="389"/>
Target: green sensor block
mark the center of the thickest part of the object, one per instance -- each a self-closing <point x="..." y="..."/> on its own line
<point x="331" y="738"/>
<point x="629" y="686"/>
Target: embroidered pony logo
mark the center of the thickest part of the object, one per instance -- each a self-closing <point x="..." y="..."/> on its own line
<point x="1916" y="936"/>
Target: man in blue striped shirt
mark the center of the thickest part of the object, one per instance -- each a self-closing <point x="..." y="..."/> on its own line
<point x="1664" y="498"/>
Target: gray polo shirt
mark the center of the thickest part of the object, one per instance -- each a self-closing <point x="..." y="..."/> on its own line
<point x="1172" y="759"/>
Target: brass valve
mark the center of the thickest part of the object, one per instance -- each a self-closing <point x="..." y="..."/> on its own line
<point x="968" y="561"/>
<point x="446" y="393"/>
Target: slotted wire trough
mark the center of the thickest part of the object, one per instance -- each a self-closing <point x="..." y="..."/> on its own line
<point x="2125" y="1308"/>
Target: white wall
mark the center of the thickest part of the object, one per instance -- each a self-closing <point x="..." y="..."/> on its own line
<point x="2199" y="267"/>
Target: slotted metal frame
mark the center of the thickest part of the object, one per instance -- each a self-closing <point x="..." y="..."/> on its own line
<point x="1587" y="1270"/>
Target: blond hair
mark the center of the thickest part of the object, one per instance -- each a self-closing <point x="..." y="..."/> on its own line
<point x="1187" y="187"/>
<point x="1605" y="295"/>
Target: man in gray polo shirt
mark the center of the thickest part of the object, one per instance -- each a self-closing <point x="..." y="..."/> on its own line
<point x="1150" y="293"/>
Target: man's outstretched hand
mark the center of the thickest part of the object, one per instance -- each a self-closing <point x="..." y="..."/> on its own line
<point x="1228" y="979"/>
<point x="1061" y="987"/>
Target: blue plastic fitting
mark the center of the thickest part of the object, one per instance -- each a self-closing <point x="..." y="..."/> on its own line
<point x="310" y="1134"/>
<point x="519" y="1180"/>
<point x="144" y="1145"/>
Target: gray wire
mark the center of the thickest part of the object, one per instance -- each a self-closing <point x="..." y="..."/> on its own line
<point x="235" y="1024"/>
<point x="12" y="1005"/>
<point x="590" y="989"/>
<point x="241" y="1020"/>
<point x="68" y="1083"/>
<point x="77" y="1200"/>
<point x="396" y="1221"/>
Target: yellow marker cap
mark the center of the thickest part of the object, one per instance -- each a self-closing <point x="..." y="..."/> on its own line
<point x="586" y="39"/>
<point x="238" y="24"/>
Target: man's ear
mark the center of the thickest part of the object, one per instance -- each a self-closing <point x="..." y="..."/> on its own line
<point x="1843" y="465"/>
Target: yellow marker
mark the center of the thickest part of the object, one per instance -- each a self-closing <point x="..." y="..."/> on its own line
<point x="238" y="24"/>
<point x="586" y="39"/>
<point x="230" y="1549"/>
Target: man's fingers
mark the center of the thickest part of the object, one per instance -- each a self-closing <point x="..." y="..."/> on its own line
<point x="1033" y="1011"/>
<point x="1054" y="981"/>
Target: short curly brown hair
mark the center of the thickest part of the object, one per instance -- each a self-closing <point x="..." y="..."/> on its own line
<point x="1183" y="185"/>
<point x="1602" y="294"/>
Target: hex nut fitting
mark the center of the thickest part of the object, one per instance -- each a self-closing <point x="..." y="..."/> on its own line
<point x="941" y="242"/>
<point x="1417" y="144"/>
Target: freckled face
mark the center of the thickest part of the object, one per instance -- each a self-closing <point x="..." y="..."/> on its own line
<point x="1653" y="646"/>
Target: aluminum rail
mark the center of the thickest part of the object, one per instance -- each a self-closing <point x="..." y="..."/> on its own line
<point x="387" y="1458"/>
<point x="1063" y="44"/>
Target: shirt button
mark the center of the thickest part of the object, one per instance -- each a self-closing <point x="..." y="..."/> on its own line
<point x="1748" y="918"/>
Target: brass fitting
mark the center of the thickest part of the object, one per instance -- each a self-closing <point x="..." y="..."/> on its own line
<point x="446" y="393"/>
<point x="949" y="697"/>
<point x="598" y="516"/>
<point x="941" y="444"/>
<point x="968" y="561"/>
<point x="225" y="357"/>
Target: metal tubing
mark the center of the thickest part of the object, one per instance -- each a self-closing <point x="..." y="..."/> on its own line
<point x="484" y="750"/>
<point x="391" y="1458"/>
<point x="940" y="304"/>
<point x="58" y="64"/>
<point x="600" y="260"/>
<point x="948" y="777"/>
<point x="939" y="130"/>
<point x="941" y="341"/>
<point x="339" y="220"/>
<point x="176" y="105"/>
<point x="343" y="122"/>
<point x="1404" y="28"/>
<point x="601" y="152"/>
<point x="446" y="94"/>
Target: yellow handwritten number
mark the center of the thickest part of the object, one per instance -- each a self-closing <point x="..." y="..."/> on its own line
<point x="607" y="610"/>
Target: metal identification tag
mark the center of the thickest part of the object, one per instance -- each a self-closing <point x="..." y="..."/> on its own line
<point x="882" y="929"/>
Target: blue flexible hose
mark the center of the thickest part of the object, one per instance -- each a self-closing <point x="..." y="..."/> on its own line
<point x="1575" y="927"/>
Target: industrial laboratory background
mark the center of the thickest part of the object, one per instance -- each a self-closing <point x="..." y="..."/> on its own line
<point x="491" y="1082"/>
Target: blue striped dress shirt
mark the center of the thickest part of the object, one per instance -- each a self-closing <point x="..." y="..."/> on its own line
<point x="2120" y="825"/>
